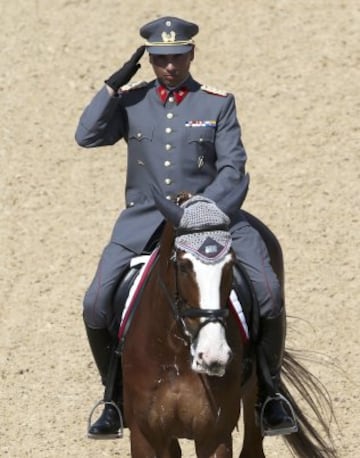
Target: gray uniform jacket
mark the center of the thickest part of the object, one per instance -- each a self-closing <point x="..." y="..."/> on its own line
<point x="194" y="145"/>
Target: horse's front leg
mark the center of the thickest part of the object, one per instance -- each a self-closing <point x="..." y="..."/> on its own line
<point x="215" y="448"/>
<point x="253" y="441"/>
<point x="141" y="447"/>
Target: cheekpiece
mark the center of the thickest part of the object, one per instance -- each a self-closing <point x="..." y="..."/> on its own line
<point x="169" y="35"/>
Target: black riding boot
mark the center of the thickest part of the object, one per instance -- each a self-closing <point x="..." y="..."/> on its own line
<point x="109" y="423"/>
<point x="275" y="413"/>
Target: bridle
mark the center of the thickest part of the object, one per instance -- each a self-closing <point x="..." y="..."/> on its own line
<point x="182" y="310"/>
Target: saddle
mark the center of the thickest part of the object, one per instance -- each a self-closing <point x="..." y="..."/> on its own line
<point x="122" y="293"/>
<point x="247" y="298"/>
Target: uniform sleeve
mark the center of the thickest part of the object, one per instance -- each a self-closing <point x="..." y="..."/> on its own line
<point x="103" y="121"/>
<point x="231" y="155"/>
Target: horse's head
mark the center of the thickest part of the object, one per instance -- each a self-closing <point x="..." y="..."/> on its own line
<point x="203" y="263"/>
<point x="202" y="268"/>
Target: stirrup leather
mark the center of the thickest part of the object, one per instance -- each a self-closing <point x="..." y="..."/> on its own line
<point x="280" y="431"/>
<point x="120" y="432"/>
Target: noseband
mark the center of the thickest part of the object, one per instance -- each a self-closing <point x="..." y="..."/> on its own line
<point x="181" y="309"/>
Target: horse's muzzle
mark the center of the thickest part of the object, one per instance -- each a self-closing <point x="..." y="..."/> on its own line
<point x="211" y="353"/>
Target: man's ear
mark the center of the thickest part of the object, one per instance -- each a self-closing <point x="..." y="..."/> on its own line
<point x="151" y="59"/>
<point x="192" y="53"/>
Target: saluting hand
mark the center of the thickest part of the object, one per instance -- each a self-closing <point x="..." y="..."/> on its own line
<point x="127" y="71"/>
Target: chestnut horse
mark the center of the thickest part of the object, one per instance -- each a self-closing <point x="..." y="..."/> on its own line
<point x="183" y="359"/>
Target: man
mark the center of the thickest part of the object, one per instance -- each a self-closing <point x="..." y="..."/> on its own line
<point x="180" y="136"/>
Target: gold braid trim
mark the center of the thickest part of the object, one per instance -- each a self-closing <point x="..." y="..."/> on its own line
<point x="167" y="43"/>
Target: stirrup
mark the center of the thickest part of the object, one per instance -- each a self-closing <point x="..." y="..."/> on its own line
<point x="120" y="433"/>
<point x="280" y="431"/>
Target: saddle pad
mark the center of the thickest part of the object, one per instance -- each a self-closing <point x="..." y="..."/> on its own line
<point x="236" y="307"/>
<point x="147" y="261"/>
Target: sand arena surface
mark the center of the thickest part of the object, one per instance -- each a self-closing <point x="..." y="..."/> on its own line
<point x="293" y="67"/>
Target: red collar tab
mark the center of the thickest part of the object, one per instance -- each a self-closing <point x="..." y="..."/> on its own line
<point x="179" y="94"/>
<point x="162" y="93"/>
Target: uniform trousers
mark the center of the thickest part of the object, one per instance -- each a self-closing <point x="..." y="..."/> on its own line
<point x="250" y="251"/>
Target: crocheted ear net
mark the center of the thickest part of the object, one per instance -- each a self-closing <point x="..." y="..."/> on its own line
<point x="209" y="246"/>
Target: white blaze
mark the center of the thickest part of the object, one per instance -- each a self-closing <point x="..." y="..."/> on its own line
<point x="211" y="352"/>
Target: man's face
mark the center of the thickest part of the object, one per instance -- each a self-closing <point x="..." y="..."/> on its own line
<point x="171" y="69"/>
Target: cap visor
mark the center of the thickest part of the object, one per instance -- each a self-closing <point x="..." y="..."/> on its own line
<point x="162" y="50"/>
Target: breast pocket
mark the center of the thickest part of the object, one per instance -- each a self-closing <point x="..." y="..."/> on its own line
<point x="202" y="139"/>
<point x="201" y="135"/>
<point x="141" y="134"/>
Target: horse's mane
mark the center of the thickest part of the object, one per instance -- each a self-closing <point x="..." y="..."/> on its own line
<point x="168" y="234"/>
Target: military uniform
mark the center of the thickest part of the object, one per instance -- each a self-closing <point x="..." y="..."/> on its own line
<point x="178" y="139"/>
<point x="188" y="140"/>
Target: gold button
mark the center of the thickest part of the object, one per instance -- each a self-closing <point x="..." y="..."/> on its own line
<point x="168" y="130"/>
<point x="168" y="147"/>
<point x="171" y="99"/>
<point x="167" y="163"/>
<point x="168" y="197"/>
<point x="168" y="181"/>
<point x="170" y="115"/>
<point x="139" y="135"/>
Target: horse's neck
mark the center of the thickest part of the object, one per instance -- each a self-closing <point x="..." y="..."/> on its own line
<point x="166" y="243"/>
<point x="155" y="327"/>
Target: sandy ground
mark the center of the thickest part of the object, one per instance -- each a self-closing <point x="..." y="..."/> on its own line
<point x="293" y="67"/>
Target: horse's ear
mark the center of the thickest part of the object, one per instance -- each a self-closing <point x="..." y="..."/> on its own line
<point x="234" y="201"/>
<point x="172" y="212"/>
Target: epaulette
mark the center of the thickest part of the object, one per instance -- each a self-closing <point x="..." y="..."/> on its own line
<point x="213" y="90"/>
<point x="132" y="86"/>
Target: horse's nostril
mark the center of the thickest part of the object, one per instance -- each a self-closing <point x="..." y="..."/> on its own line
<point x="201" y="355"/>
<point x="215" y="366"/>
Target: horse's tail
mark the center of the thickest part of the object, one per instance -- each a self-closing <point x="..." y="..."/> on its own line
<point x="308" y="441"/>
